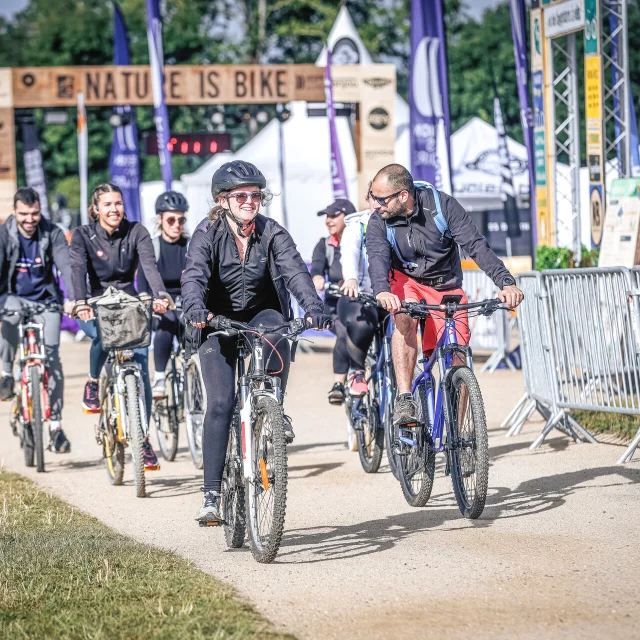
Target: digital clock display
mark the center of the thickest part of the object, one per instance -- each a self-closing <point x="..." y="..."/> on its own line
<point x="191" y="144"/>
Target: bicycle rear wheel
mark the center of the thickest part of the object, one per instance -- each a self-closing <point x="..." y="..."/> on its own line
<point x="232" y="490"/>
<point x="136" y="432"/>
<point x="266" y="489"/>
<point x="417" y="468"/>
<point x="112" y="450"/>
<point x="37" y="417"/>
<point x="165" y="418"/>
<point x="194" y="408"/>
<point x="469" y="455"/>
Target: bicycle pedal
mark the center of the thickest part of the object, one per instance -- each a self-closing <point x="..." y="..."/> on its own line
<point x="90" y="412"/>
<point x="155" y="467"/>
<point x="212" y="523"/>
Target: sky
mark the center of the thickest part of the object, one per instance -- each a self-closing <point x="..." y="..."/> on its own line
<point x="475" y="7"/>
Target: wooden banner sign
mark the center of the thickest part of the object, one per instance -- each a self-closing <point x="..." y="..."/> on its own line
<point x="184" y="84"/>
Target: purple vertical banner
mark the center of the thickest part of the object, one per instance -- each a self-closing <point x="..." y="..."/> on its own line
<point x="518" y="31"/>
<point x="161" y="118"/>
<point x="33" y="169"/>
<point x="124" y="164"/>
<point x="338" y="180"/>
<point x="430" y="127"/>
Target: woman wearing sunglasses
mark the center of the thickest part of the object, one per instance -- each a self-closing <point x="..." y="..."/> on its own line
<point x="241" y="265"/>
<point x="170" y="246"/>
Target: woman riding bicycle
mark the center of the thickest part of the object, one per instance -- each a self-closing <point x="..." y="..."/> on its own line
<point x="106" y="252"/>
<point x="360" y="321"/>
<point x="241" y="265"/>
<point x="170" y="247"/>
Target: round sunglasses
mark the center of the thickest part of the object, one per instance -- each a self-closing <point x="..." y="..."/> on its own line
<point x="241" y="198"/>
<point x="171" y="220"/>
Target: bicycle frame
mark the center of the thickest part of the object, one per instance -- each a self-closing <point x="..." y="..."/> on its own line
<point x="248" y="392"/>
<point x="32" y="354"/>
<point x="438" y="405"/>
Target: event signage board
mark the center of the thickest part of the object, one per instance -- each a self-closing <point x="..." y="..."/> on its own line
<point x="564" y="18"/>
<point x="594" y="117"/>
<point x="620" y="247"/>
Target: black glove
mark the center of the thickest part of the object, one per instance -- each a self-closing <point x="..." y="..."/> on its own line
<point x="196" y="316"/>
<point x="319" y="319"/>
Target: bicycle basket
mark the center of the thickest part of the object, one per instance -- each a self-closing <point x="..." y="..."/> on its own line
<point x="125" y="324"/>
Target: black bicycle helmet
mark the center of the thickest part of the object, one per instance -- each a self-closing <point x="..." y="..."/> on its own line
<point x="234" y="174"/>
<point x="171" y="201"/>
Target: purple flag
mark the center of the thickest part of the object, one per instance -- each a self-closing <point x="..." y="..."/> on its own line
<point x="429" y="96"/>
<point x="337" y="168"/>
<point x="526" y="117"/>
<point x="33" y="169"/>
<point x="124" y="164"/>
<point x="156" y="59"/>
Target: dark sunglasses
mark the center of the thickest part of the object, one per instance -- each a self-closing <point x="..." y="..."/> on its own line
<point x="171" y="220"/>
<point x="241" y="198"/>
<point x="383" y="201"/>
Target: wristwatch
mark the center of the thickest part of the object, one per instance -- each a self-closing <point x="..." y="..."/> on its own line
<point x="508" y="281"/>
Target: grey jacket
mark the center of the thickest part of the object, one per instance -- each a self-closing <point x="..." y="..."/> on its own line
<point x="54" y="250"/>
<point x="420" y="242"/>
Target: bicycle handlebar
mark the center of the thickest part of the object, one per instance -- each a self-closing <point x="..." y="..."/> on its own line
<point x="32" y="310"/>
<point x="420" y="309"/>
<point x="365" y="298"/>
<point x="221" y="323"/>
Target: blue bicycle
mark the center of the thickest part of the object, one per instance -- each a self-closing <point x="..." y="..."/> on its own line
<point x="451" y="420"/>
<point x="371" y="417"/>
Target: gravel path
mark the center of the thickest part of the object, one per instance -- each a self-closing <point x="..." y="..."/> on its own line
<point x="555" y="554"/>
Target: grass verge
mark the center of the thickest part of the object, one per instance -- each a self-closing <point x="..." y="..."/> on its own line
<point x="619" y="424"/>
<point x="64" y="574"/>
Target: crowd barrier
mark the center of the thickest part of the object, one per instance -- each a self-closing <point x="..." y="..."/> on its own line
<point x="580" y="348"/>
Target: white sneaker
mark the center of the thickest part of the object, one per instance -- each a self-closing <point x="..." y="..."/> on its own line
<point x="158" y="390"/>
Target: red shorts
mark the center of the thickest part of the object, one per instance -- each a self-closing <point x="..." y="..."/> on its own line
<point x="407" y="289"/>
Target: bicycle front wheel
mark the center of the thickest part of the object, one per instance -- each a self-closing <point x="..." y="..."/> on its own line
<point x="469" y="454"/>
<point x="232" y="490"/>
<point x="136" y="432"/>
<point x="418" y="466"/>
<point x="266" y="489"/>
<point x="37" y="417"/>
<point x="165" y="418"/>
<point x="194" y="408"/>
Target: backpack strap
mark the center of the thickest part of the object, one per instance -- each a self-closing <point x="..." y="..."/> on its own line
<point x="438" y="217"/>
<point x="391" y="237"/>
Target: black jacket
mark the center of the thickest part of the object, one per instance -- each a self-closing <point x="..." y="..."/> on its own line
<point x="210" y="251"/>
<point x="54" y="250"/>
<point x="111" y="260"/>
<point x="419" y="241"/>
<point x="320" y="264"/>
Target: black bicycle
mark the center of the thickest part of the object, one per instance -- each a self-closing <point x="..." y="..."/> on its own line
<point x="254" y="482"/>
<point x="168" y="412"/>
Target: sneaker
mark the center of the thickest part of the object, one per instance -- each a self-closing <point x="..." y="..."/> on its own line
<point x="149" y="457"/>
<point x="59" y="442"/>
<point x="404" y="412"/>
<point x="336" y="395"/>
<point x="357" y="384"/>
<point x="288" y="430"/>
<point x="158" y="390"/>
<point x="210" y="512"/>
<point x="91" y="398"/>
<point x="6" y="388"/>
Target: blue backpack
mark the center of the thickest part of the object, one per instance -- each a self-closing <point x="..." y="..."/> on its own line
<point x="438" y="218"/>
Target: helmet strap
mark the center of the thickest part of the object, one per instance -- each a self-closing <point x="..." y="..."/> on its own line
<point x="241" y="225"/>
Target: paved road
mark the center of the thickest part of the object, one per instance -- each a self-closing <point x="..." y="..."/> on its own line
<point x="555" y="554"/>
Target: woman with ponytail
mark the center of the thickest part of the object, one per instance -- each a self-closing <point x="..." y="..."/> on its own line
<point x="106" y="253"/>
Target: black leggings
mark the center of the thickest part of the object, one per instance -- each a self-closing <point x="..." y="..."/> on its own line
<point x="218" y="359"/>
<point x="359" y="324"/>
<point x="340" y="354"/>
<point x="168" y="327"/>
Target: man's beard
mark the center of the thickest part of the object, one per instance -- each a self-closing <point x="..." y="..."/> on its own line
<point x="394" y="210"/>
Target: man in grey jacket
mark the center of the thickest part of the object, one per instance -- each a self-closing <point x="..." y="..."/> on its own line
<point x="30" y="246"/>
<point x="423" y="264"/>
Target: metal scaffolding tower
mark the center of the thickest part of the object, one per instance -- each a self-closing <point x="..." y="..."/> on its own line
<point x="616" y="85"/>
<point x="566" y="119"/>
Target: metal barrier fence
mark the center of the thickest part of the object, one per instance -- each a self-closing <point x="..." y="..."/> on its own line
<point x="580" y="348"/>
<point x="488" y="332"/>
